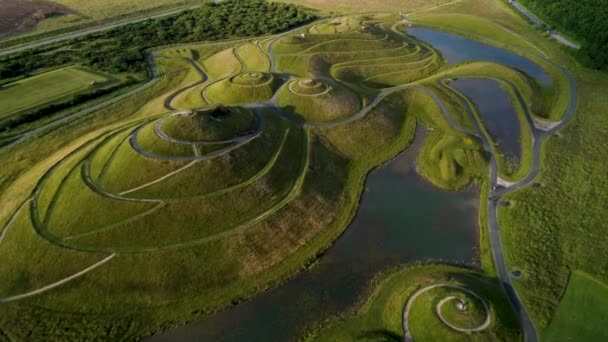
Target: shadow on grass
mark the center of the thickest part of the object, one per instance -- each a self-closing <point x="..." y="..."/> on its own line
<point x="380" y="335"/>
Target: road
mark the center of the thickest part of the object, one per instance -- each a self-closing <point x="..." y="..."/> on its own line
<point x="64" y="120"/>
<point x="497" y="192"/>
<point x="537" y="22"/>
<point x="89" y="31"/>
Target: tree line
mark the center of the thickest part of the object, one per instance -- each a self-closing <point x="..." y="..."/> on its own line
<point x="586" y="19"/>
<point x="122" y="49"/>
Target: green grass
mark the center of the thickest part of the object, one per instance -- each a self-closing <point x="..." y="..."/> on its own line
<point x="581" y="314"/>
<point x="379" y="317"/>
<point x="567" y="213"/>
<point x="255" y="59"/>
<point x="244" y="88"/>
<point x="227" y="228"/>
<point x="47" y="88"/>
<point x="88" y="13"/>
<point x="322" y="102"/>
<point x="201" y="126"/>
<point x="365" y="6"/>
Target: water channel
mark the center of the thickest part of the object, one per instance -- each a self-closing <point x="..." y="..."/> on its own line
<point x="401" y="219"/>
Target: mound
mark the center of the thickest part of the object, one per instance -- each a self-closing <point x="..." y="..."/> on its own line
<point x="389" y="71"/>
<point x="308" y="87"/>
<point x="318" y="100"/>
<point x="243" y="88"/>
<point x="209" y="125"/>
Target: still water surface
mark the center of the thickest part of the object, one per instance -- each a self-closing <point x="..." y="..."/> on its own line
<point x="497" y="112"/>
<point x="401" y="218"/>
<point x="456" y="49"/>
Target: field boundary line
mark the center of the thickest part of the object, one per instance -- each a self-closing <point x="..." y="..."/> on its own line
<point x="13" y="218"/>
<point x="58" y="283"/>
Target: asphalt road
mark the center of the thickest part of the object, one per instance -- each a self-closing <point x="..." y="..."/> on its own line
<point x="89" y="31"/>
<point x="66" y="119"/>
<point x="497" y="192"/>
<point x="537" y="22"/>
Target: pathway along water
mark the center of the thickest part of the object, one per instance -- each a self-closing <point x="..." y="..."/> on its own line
<point x="401" y="218"/>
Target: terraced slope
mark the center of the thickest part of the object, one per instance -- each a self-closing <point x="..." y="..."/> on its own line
<point x="230" y="181"/>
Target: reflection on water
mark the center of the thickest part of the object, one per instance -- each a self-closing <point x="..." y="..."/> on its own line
<point x="456" y="49"/>
<point x="497" y="112"/>
<point x="401" y="218"/>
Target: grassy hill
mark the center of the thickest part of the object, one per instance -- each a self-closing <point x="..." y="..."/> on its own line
<point x="237" y="169"/>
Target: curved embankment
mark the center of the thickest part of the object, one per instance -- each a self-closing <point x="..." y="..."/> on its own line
<point x="293" y="191"/>
<point x="497" y="192"/>
<point x="203" y="76"/>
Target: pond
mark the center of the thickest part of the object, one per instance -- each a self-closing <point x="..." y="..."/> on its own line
<point x="402" y="218"/>
<point x="497" y="112"/>
<point x="456" y="49"/>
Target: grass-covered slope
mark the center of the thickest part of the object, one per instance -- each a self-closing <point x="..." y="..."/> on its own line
<point x="237" y="169"/>
<point x="572" y="323"/>
<point x="558" y="228"/>
<point x="380" y="317"/>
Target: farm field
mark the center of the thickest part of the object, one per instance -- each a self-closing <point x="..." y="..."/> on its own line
<point x="570" y="322"/>
<point x="48" y="87"/>
<point x="242" y="163"/>
<point x="77" y="14"/>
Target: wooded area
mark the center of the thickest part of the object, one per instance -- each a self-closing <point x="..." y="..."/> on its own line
<point x="123" y="49"/>
<point x="586" y="19"/>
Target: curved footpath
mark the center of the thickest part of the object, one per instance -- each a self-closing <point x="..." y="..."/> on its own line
<point x="407" y="334"/>
<point x="201" y="73"/>
<point x="495" y="193"/>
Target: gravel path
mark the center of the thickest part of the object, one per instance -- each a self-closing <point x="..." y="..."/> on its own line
<point x="58" y="283"/>
<point x="202" y="74"/>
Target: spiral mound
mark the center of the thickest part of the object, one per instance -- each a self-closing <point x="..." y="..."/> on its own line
<point x="219" y="124"/>
<point x="248" y="87"/>
<point x="457" y="307"/>
<point x="309" y="87"/>
<point x="252" y="79"/>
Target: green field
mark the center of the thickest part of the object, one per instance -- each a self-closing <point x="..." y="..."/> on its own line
<point x="83" y="13"/>
<point x="365" y="6"/>
<point x="568" y="231"/>
<point x="247" y="159"/>
<point x="570" y="323"/>
<point x="46" y="88"/>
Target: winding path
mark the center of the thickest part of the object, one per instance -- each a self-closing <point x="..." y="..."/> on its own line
<point x="203" y="76"/>
<point x="58" y="283"/>
<point x="407" y="334"/>
<point x="495" y="193"/>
